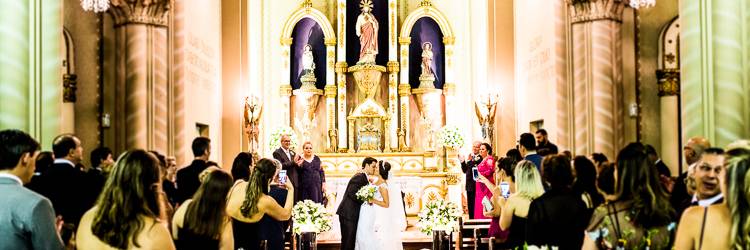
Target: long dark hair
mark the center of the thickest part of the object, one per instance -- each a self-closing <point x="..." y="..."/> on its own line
<point x="383" y="169"/>
<point x="557" y="172"/>
<point x="586" y="179"/>
<point x="257" y="186"/>
<point x="638" y="181"/>
<point x="206" y="214"/>
<point x="129" y="195"/>
<point x="241" y="166"/>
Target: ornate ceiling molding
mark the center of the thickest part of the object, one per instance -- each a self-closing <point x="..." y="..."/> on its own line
<point x="152" y="12"/>
<point x="590" y="10"/>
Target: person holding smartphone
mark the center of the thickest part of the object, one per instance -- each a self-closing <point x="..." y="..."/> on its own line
<point x="486" y="168"/>
<point x="504" y="177"/>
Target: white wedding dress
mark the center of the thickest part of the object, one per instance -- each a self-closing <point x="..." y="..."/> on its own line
<point x="380" y="228"/>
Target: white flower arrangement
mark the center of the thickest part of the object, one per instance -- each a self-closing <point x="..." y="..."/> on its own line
<point x="366" y="193"/>
<point x="275" y="139"/>
<point x="439" y="215"/>
<point x="450" y="136"/>
<point x="309" y="216"/>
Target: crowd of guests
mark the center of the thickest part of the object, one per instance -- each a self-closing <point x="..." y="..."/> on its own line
<point x="586" y="202"/>
<point x="141" y="201"/>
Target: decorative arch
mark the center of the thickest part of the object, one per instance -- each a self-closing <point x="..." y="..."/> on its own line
<point x="669" y="45"/>
<point x="307" y="11"/>
<point x="427" y="11"/>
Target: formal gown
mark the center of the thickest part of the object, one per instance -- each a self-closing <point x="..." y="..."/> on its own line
<point x="366" y="233"/>
<point x="390" y="221"/>
<point x="487" y="169"/>
<point x="311" y="177"/>
<point x="246" y="235"/>
<point x="189" y="240"/>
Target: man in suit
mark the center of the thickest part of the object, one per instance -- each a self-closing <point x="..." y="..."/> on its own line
<point x="658" y="163"/>
<point x="187" y="177"/>
<point x="707" y="191"/>
<point x="544" y="146"/>
<point x="467" y="164"/>
<point x="348" y="210"/>
<point x="527" y="146"/>
<point x="66" y="186"/>
<point x="290" y="162"/>
<point x="684" y="186"/>
<point x="27" y="220"/>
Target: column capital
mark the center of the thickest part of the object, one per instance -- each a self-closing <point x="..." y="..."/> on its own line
<point x="591" y="10"/>
<point x="669" y="82"/>
<point x="404" y="40"/>
<point x="285" y="90"/>
<point x="341" y="67"/>
<point x="393" y="66"/>
<point x="404" y="89"/>
<point x="330" y="41"/>
<point x="330" y="91"/>
<point x="152" y="12"/>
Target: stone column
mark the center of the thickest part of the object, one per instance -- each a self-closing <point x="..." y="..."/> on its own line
<point x="141" y="28"/>
<point x="597" y="63"/>
<point x="404" y="92"/>
<point x="715" y="68"/>
<point x="449" y="88"/>
<point x="669" y="88"/>
<point x="341" y="67"/>
<point x="330" y="92"/>
<point x="393" y="69"/>
<point x="285" y="89"/>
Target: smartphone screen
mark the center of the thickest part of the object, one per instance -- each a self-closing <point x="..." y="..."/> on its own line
<point x="475" y="171"/>
<point x="282" y="177"/>
<point x="505" y="188"/>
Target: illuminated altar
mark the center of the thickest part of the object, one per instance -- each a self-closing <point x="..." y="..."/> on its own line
<point x="377" y="102"/>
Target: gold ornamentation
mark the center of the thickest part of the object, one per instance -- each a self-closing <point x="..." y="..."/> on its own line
<point x="286" y="41"/>
<point x="70" y="85"/>
<point x="330" y="91"/>
<point x="449" y="89"/>
<point x="452" y="179"/>
<point x="425" y="3"/>
<point x="449" y="40"/>
<point x="402" y="140"/>
<point x="404" y="89"/>
<point x="153" y="12"/>
<point x="330" y="41"/>
<point x="404" y="40"/>
<point x="393" y="66"/>
<point x="669" y="81"/>
<point x="587" y="10"/>
<point x="306" y="4"/>
<point x="332" y="139"/>
<point x="285" y="90"/>
<point x="341" y="67"/>
<point x="366" y="3"/>
<point x="409" y="200"/>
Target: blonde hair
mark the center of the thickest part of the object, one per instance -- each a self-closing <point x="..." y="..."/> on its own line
<point x="738" y="196"/>
<point x="305" y="143"/>
<point x="528" y="180"/>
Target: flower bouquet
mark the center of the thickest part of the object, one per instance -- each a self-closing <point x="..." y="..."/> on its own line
<point x="309" y="216"/>
<point x="438" y="215"/>
<point x="450" y="136"/>
<point x="274" y="141"/>
<point x="367" y="193"/>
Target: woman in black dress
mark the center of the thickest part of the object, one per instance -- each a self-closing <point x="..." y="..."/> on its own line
<point x="312" y="176"/>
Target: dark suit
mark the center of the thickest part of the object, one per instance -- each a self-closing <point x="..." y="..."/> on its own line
<point x="69" y="190"/>
<point x="349" y="211"/>
<point x="187" y="180"/>
<point x="27" y="220"/>
<point x="547" y="148"/>
<point x="557" y="218"/>
<point x="291" y="167"/>
<point x="536" y="159"/>
<point x="470" y="182"/>
<point x="662" y="168"/>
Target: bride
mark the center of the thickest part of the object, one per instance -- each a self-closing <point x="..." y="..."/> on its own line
<point x="378" y="227"/>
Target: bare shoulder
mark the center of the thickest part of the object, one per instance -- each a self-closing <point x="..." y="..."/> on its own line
<point x="156" y="235"/>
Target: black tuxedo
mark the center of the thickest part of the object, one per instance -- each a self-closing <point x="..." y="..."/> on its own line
<point x="291" y="169"/>
<point x="68" y="189"/>
<point x="187" y="180"/>
<point x="470" y="182"/>
<point x="662" y="168"/>
<point x="348" y="211"/>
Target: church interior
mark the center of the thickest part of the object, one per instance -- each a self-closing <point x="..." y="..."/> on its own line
<point x="410" y="82"/>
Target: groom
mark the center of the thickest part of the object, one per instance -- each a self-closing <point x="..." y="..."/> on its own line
<point x="349" y="208"/>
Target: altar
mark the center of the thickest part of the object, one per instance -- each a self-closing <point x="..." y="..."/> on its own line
<point x="380" y="83"/>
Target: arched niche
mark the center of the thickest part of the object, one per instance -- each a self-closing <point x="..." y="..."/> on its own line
<point x="427" y="14"/>
<point x="380" y="11"/>
<point x="308" y="31"/>
<point x="426" y="30"/>
<point x="669" y="45"/>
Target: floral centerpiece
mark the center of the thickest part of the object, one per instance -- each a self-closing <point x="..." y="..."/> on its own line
<point x="450" y="136"/>
<point x="366" y="193"/>
<point x="275" y="140"/>
<point x="309" y="216"/>
<point x="438" y="215"/>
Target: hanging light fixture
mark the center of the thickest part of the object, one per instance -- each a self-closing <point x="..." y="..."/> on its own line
<point x="95" y="5"/>
<point x="637" y="4"/>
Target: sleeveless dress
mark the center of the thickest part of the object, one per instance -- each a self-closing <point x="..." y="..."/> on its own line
<point x="246" y="235"/>
<point x="188" y="240"/>
<point x="366" y="238"/>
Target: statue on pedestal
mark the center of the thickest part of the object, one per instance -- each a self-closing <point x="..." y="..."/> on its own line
<point x="332" y="140"/>
<point x="253" y="110"/>
<point x="367" y="31"/>
<point x="427" y="78"/>
<point x="308" y="62"/>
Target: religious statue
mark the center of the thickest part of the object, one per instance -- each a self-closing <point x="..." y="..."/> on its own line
<point x="485" y="111"/>
<point x="367" y="31"/>
<point x="253" y="110"/>
<point x="427" y="59"/>
<point x="332" y="136"/>
<point x="308" y="63"/>
<point x="402" y="141"/>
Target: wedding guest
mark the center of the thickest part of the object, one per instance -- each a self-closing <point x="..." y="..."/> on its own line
<point x="706" y="174"/>
<point x="249" y="202"/>
<point x="187" y="177"/>
<point x="486" y="168"/>
<point x="544" y="146"/>
<point x="585" y="182"/>
<point x="600" y="160"/>
<point x="515" y="209"/>
<point x="467" y="164"/>
<point x="27" y="220"/>
<point x="502" y="174"/>
<point x="723" y="225"/>
<point x="167" y="207"/>
<point x="559" y="216"/>
<point x="605" y="182"/>
<point x="127" y="214"/>
<point x="274" y="230"/>
<point x="241" y="166"/>
<point x="290" y="161"/>
<point x="640" y="215"/>
<point x="202" y="222"/>
<point x="684" y="185"/>
<point x="527" y="146"/>
<point x="515" y="155"/>
<point x="312" y="177"/>
<point x="43" y="162"/>
<point x="168" y="184"/>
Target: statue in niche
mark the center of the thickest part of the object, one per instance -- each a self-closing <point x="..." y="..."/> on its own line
<point x="367" y="31"/>
<point x="332" y="140"/>
<point x="427" y="59"/>
<point x="308" y="61"/>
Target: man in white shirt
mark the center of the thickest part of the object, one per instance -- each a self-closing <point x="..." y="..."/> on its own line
<point x="27" y="220"/>
<point x="706" y="175"/>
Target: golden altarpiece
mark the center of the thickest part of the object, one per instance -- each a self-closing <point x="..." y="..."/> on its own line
<point x="371" y="104"/>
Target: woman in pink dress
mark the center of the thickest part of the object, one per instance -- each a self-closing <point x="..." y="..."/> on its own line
<point x="487" y="169"/>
